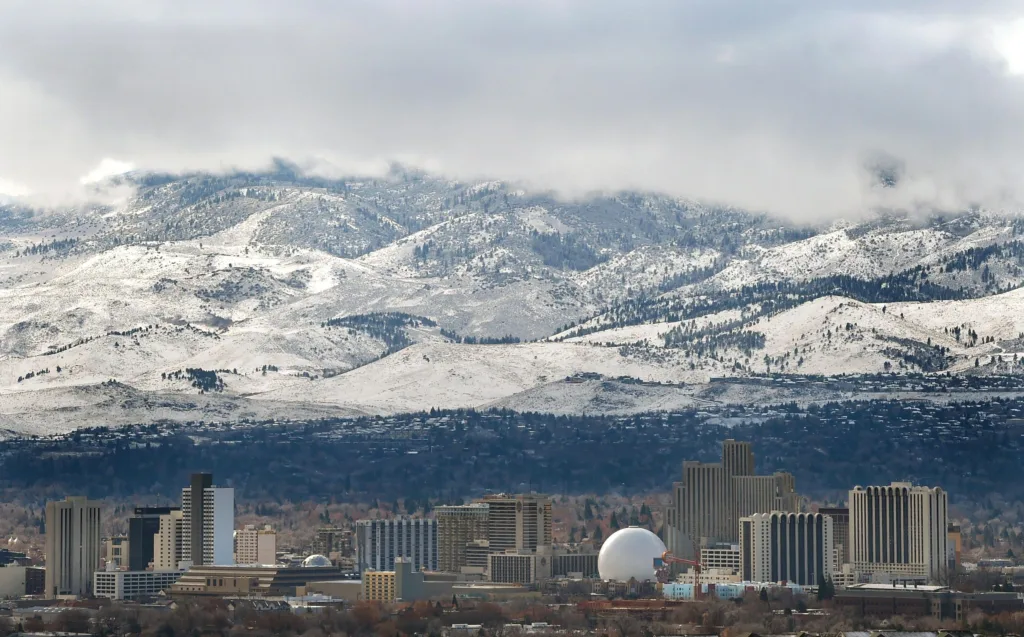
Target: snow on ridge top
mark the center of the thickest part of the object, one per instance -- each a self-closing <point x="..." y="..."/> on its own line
<point x="873" y="254"/>
<point x="431" y="374"/>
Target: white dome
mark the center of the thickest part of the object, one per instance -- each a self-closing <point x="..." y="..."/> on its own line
<point x="629" y="554"/>
<point x="314" y="561"/>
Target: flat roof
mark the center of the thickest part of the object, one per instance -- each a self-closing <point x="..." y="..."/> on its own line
<point x="898" y="587"/>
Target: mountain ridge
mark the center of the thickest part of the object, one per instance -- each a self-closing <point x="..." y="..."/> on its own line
<point x="239" y="276"/>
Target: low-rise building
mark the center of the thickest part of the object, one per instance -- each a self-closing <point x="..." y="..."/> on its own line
<point x="711" y="576"/>
<point x="520" y="567"/>
<point x="846" y="575"/>
<point x="880" y="600"/>
<point x="579" y="562"/>
<point x="132" y="585"/>
<point x="18" y="581"/>
<point x="721" y="556"/>
<point x="379" y="586"/>
<point x="256" y="581"/>
<point x="402" y="584"/>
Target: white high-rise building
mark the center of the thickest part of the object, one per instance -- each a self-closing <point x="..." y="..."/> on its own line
<point x="255" y="546"/>
<point x="167" y="542"/>
<point x="207" y="523"/>
<point x="379" y="542"/>
<point x="72" y="546"/>
<point x="782" y="546"/>
<point x="899" y="531"/>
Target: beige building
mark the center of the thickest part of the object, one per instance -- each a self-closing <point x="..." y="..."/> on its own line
<point x="520" y="567"/>
<point x="72" y="546"/>
<point x="518" y="522"/>
<point x="711" y="498"/>
<point x="379" y="586"/>
<point x="401" y="584"/>
<point x="167" y="542"/>
<point x="255" y="581"/>
<point x="18" y="581"/>
<point x="899" y="532"/>
<point x="115" y="551"/>
<point x="457" y="528"/>
<point x="255" y="546"/>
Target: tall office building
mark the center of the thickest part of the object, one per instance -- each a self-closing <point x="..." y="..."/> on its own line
<point x="379" y="542"/>
<point x="899" y="530"/>
<point x="458" y="527"/>
<point x="711" y="498"/>
<point x="72" y="546"/>
<point x="167" y="546"/>
<point x="208" y="522"/>
<point x="517" y="522"/>
<point x="787" y="547"/>
<point x="840" y="531"/>
<point x="142" y="529"/>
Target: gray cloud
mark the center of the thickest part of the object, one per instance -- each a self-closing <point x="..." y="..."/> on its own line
<point x="768" y="105"/>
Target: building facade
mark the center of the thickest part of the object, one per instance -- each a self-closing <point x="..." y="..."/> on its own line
<point x="18" y="581"/>
<point x="116" y="551"/>
<point x="582" y="562"/>
<point x="725" y="557"/>
<point x="72" y="546"/>
<point x="517" y="522"/>
<point x="938" y="602"/>
<point x="208" y="522"/>
<point x="254" y="545"/>
<point x="476" y="554"/>
<point x="167" y="547"/>
<point x="250" y="581"/>
<point x="333" y="539"/>
<point x="379" y="542"/>
<point x="457" y="528"/>
<point x="900" y="531"/>
<point x="142" y="529"/>
<point x="711" y="498"/>
<point x="379" y="586"/>
<point x="132" y="585"/>
<point x="789" y="547"/>
<point x="527" y="567"/>
<point x="840" y="531"/>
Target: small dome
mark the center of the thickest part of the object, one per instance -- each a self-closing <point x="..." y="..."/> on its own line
<point x="629" y="554"/>
<point x="316" y="561"/>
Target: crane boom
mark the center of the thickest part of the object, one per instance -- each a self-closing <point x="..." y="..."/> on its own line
<point x="668" y="558"/>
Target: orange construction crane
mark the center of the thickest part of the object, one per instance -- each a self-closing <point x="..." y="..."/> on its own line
<point x="668" y="558"/>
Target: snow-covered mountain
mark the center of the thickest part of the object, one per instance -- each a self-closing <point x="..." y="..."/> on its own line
<point x="278" y="295"/>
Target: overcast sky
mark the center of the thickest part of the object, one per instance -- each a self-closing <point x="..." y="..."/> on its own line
<point x="767" y="105"/>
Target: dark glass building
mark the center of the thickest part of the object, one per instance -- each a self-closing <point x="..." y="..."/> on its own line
<point x="142" y="529"/>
